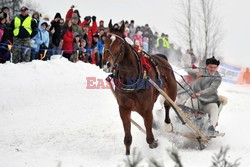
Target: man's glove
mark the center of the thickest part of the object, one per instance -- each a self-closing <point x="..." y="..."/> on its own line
<point x="93" y="18"/>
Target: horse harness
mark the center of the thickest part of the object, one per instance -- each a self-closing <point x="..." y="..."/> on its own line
<point x="115" y="73"/>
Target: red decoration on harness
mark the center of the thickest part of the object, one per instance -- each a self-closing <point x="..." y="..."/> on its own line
<point x="144" y="60"/>
<point x="194" y="66"/>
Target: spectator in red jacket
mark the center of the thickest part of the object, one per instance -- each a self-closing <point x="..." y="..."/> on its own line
<point x="67" y="40"/>
<point x="87" y="20"/>
<point x="89" y="30"/>
<point x="73" y="13"/>
<point x="246" y="76"/>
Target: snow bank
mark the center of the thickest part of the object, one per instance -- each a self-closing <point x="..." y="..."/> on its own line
<point x="47" y="116"/>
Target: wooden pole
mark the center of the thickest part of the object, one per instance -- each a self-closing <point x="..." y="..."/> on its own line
<point x="180" y="112"/>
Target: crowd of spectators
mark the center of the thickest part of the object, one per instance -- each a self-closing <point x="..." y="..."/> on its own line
<point x="28" y="37"/>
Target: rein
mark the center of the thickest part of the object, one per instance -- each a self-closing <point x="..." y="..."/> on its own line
<point x="121" y="49"/>
<point x="115" y="72"/>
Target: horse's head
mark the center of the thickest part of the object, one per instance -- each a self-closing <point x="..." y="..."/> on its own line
<point x="114" y="46"/>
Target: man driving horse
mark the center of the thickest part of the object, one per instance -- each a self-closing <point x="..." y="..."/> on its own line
<point x="205" y="97"/>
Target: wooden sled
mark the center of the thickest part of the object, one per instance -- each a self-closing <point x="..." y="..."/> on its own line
<point x="197" y="133"/>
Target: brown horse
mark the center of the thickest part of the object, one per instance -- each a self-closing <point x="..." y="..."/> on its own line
<point x="126" y="64"/>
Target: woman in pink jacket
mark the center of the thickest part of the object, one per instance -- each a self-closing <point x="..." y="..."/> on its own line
<point x="138" y="37"/>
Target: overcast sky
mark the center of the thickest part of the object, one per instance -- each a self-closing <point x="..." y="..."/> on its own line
<point x="161" y="15"/>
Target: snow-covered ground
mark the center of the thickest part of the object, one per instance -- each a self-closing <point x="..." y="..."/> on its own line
<point x="48" y="117"/>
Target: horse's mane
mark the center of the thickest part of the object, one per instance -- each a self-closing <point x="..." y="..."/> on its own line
<point x="162" y="56"/>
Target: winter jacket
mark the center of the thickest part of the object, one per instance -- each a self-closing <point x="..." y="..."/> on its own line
<point x="246" y="77"/>
<point x="165" y="41"/>
<point x="41" y="37"/>
<point x="23" y="33"/>
<point x="95" y="58"/>
<point x="86" y="38"/>
<point x="2" y="29"/>
<point x="68" y="40"/>
<point x="78" y="29"/>
<point x="92" y="30"/>
<point x="56" y="37"/>
<point x="132" y="30"/>
<point x="1" y="33"/>
<point x="69" y="14"/>
<point x="99" y="45"/>
<point x="145" y="46"/>
<point x="4" y="40"/>
<point x="207" y="86"/>
<point x="138" y="37"/>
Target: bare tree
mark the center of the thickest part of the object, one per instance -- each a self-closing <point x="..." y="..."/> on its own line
<point x="32" y="5"/>
<point x="200" y="28"/>
<point x="210" y="30"/>
<point x="14" y="5"/>
<point x="185" y="20"/>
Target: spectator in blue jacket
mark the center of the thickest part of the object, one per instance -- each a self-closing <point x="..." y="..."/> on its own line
<point x="99" y="45"/>
<point x="40" y="40"/>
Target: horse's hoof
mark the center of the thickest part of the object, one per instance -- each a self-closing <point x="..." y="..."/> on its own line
<point x="154" y="144"/>
<point x="168" y="127"/>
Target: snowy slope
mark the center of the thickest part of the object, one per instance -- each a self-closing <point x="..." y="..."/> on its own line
<point x="47" y="117"/>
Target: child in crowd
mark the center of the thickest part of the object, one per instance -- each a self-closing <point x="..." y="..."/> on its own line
<point x="79" y="45"/>
<point x="145" y="44"/>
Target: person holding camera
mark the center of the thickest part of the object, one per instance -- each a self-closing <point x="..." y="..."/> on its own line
<point x="89" y="30"/>
<point x="73" y="13"/>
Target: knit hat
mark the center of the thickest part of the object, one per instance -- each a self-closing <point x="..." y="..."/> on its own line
<point x="212" y="61"/>
<point x="77" y="13"/>
<point x="87" y="18"/>
<point x="58" y="15"/>
<point x="5" y="7"/>
<point x="96" y="35"/>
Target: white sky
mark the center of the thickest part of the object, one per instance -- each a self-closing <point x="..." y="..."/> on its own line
<point x="161" y="14"/>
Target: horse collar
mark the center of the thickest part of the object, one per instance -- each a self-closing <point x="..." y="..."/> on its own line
<point x="128" y="87"/>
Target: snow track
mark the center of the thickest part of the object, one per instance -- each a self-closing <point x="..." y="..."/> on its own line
<point x="47" y="116"/>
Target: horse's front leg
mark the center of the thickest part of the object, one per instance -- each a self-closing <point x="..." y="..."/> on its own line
<point x="148" y="122"/>
<point x="125" y="116"/>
